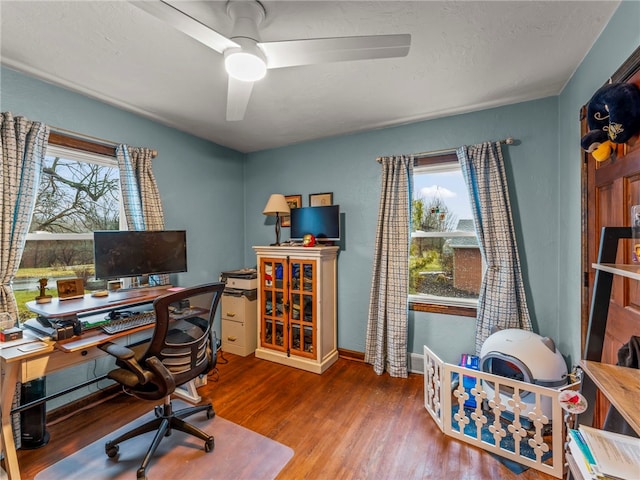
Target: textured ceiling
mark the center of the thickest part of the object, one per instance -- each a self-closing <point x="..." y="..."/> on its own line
<point x="464" y="56"/>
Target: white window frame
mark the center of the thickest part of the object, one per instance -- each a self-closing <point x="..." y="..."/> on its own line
<point x="434" y="300"/>
<point x="86" y="157"/>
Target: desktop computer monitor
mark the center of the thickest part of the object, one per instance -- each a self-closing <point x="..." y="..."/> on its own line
<point x="120" y="254"/>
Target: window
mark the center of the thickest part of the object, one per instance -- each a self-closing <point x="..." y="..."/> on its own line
<point x="445" y="264"/>
<point x="79" y="192"/>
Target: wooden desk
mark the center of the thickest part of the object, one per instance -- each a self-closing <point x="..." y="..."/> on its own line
<point x="19" y="363"/>
<point x="13" y="359"/>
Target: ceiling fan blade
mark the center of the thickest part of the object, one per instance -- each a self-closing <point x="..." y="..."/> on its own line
<point x="238" y="95"/>
<point x="290" y="53"/>
<point x="186" y="24"/>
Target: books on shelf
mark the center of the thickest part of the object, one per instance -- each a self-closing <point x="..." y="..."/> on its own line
<point x="602" y="455"/>
<point x="581" y="453"/>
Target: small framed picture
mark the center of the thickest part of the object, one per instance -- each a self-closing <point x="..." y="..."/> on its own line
<point x="294" y="201"/>
<point x="71" y="288"/>
<point x="320" y="199"/>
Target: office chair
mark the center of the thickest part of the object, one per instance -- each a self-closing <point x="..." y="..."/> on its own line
<point x="183" y="346"/>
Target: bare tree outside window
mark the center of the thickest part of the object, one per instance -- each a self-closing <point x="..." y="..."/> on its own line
<point x="76" y="197"/>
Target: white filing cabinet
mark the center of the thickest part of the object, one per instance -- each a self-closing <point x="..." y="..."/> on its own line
<point x="239" y="327"/>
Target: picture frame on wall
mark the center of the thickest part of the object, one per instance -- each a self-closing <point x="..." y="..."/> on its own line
<point x="294" y="201"/>
<point x="320" y="199"/>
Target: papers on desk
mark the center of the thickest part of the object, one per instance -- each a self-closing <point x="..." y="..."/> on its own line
<point x="605" y="455"/>
<point x="39" y="330"/>
<point x="32" y="347"/>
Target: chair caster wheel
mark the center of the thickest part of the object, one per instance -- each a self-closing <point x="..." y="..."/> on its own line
<point x="209" y="445"/>
<point x="211" y="413"/>
<point x="111" y="450"/>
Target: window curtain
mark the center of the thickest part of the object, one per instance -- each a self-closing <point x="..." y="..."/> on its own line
<point x="501" y="302"/>
<point x="141" y="198"/>
<point x="386" y="342"/>
<point x="23" y="145"/>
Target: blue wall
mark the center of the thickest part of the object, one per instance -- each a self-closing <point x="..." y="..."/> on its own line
<point x="346" y="166"/>
<point x="543" y="170"/>
<point x="201" y="184"/>
<point x="195" y="177"/>
<point x="218" y="194"/>
<point x="616" y="43"/>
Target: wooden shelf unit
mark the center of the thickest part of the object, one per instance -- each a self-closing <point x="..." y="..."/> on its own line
<point x="297" y="306"/>
<point x="621" y="386"/>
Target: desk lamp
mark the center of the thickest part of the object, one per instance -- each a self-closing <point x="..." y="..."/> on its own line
<point x="277" y="205"/>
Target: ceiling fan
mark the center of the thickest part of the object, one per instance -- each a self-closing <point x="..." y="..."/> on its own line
<point x="247" y="58"/>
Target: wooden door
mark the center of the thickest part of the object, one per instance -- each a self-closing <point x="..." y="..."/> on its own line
<point x="610" y="189"/>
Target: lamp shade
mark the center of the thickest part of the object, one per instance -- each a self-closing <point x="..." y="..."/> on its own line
<point x="276" y="205"/>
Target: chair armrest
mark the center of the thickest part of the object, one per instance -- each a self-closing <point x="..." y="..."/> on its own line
<point x="159" y="369"/>
<point x="130" y="372"/>
<point x="118" y="351"/>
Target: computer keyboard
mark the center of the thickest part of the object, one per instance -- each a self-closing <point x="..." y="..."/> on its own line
<point x="127" y="323"/>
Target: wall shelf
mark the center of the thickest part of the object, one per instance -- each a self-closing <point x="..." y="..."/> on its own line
<point x="624" y="270"/>
<point x="621" y="386"/>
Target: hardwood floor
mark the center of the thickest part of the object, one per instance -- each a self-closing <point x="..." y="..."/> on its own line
<point x="348" y="423"/>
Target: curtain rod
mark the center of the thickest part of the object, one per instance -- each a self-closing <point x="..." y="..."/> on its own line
<point x="434" y="153"/>
<point x="88" y="138"/>
<point x="446" y="151"/>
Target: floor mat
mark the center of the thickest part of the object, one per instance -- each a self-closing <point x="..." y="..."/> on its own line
<point x="238" y="454"/>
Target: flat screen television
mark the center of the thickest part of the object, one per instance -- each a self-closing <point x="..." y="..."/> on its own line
<point x="120" y="254"/>
<point x="322" y="222"/>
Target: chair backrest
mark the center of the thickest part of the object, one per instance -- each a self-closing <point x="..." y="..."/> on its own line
<point x="183" y="336"/>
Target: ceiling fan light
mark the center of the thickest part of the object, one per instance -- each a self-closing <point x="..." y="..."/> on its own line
<point x="245" y="66"/>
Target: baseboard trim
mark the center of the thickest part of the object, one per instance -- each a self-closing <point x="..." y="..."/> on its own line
<point x="416" y="363"/>
<point x="416" y="360"/>
<point x="351" y="355"/>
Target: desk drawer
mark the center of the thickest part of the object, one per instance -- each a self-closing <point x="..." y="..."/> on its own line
<point x="233" y="307"/>
<point x="238" y="324"/>
<point x="233" y="333"/>
<point x="57" y="360"/>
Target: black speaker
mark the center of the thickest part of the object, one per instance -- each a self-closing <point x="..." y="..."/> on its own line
<point x="33" y="421"/>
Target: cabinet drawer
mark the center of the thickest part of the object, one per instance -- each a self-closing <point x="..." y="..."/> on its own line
<point x="233" y="332"/>
<point x="233" y="307"/>
<point x="57" y="360"/>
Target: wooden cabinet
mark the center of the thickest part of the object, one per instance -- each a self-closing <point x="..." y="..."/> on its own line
<point x="297" y="311"/>
<point x="238" y="315"/>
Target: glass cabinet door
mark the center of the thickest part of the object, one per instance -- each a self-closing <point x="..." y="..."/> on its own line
<point x="273" y="332"/>
<point x="302" y="312"/>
